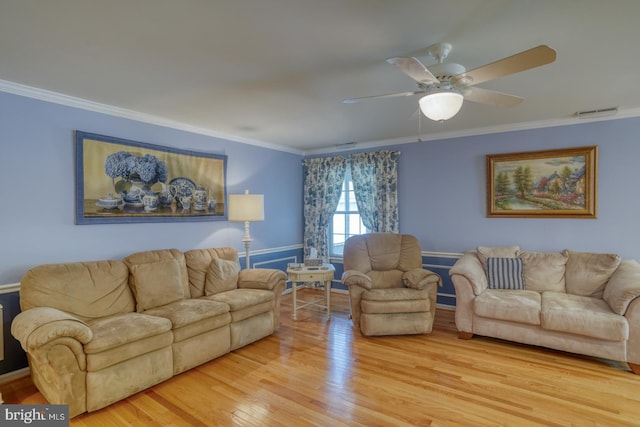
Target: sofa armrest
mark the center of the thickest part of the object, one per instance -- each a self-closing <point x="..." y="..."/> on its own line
<point x="261" y="278"/>
<point x="633" y="343"/>
<point x="53" y="339"/>
<point x="38" y="326"/>
<point x="419" y="278"/>
<point x="470" y="268"/>
<point x="356" y="278"/>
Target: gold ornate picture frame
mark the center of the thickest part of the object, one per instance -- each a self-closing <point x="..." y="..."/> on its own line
<point x="543" y="184"/>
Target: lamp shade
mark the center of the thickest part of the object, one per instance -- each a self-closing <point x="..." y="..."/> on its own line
<point x="441" y="105"/>
<point x="246" y="207"/>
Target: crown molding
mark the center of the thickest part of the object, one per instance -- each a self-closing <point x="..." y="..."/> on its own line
<point x="513" y="127"/>
<point x="83" y="104"/>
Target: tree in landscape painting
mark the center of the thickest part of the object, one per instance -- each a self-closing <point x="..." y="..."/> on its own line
<point x="502" y="183"/>
<point x="522" y="179"/>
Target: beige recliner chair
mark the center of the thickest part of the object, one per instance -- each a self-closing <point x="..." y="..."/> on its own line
<point x="389" y="291"/>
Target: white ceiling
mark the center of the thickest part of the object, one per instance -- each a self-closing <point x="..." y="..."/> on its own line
<point x="274" y="72"/>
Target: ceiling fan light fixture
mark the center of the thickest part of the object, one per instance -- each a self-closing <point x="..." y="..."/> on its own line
<point x="441" y="105"/>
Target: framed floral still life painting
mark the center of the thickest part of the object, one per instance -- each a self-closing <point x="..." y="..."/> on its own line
<point x="118" y="180"/>
<point x="543" y="184"/>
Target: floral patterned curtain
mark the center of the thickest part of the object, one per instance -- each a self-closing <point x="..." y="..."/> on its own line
<point x="323" y="178"/>
<point x="375" y="184"/>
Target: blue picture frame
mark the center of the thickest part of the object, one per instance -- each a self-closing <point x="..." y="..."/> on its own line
<point x="124" y="181"/>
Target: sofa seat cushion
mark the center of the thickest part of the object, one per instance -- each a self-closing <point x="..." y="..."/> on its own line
<point x="244" y="303"/>
<point x="125" y="336"/>
<point x="395" y="300"/>
<point x="582" y="315"/>
<point x="511" y="305"/>
<point x="185" y="312"/>
<point x="191" y="317"/>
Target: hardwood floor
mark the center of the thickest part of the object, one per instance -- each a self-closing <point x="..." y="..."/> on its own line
<point x="315" y="372"/>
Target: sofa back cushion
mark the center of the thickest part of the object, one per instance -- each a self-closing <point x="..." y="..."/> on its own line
<point x="156" y="256"/>
<point x="222" y="276"/>
<point x="156" y="283"/>
<point x="382" y="256"/>
<point x="622" y="287"/>
<point x="198" y="263"/>
<point x="87" y="290"/>
<point x="543" y="271"/>
<point x="485" y="252"/>
<point x="588" y="273"/>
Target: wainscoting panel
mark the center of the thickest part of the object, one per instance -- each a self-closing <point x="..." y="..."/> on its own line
<point x="441" y="263"/>
<point x="14" y="357"/>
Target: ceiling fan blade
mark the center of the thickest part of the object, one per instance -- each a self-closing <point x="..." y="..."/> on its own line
<point x="532" y="58"/>
<point x="387" y="95"/>
<point x="413" y="68"/>
<point x="491" y="97"/>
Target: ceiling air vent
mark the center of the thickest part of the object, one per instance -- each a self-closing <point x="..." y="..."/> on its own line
<point x="603" y="112"/>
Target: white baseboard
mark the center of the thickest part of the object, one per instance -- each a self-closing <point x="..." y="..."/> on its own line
<point x="14" y="375"/>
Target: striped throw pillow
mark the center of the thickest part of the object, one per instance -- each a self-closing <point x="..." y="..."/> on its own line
<point x="505" y="273"/>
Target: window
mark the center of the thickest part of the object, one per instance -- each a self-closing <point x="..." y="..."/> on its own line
<point x="346" y="219"/>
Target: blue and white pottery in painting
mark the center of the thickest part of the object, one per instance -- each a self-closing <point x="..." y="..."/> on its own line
<point x="165" y="197"/>
<point x="185" y="201"/>
<point x="181" y="187"/>
<point x="136" y="191"/>
<point x="109" y="202"/>
<point x="150" y="202"/>
<point x="200" y="199"/>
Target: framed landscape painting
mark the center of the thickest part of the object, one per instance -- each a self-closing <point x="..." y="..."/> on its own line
<point x="543" y="184"/>
<point x="120" y="181"/>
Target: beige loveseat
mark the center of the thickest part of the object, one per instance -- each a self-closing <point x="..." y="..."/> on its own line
<point x="579" y="302"/>
<point x="97" y="332"/>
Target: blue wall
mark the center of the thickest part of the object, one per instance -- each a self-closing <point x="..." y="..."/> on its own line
<point x="38" y="180"/>
<point x="442" y="186"/>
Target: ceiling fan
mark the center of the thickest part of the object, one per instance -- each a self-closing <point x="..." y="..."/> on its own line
<point x="444" y="86"/>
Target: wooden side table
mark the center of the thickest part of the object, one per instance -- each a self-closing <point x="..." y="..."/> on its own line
<point x="303" y="274"/>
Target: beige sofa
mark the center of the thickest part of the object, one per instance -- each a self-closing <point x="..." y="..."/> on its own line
<point x="97" y="332"/>
<point x="579" y="302"/>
